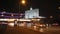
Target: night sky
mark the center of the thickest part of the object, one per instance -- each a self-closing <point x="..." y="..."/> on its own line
<point x="46" y="7"/>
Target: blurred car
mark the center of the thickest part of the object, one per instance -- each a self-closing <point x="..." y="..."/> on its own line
<point x="40" y="25"/>
<point x="55" y="24"/>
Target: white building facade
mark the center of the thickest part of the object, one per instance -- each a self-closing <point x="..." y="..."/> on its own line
<point x="32" y="13"/>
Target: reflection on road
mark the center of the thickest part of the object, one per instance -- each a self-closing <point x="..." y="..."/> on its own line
<point x="30" y="26"/>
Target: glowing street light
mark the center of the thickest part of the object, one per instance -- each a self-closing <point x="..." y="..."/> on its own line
<point x="23" y="1"/>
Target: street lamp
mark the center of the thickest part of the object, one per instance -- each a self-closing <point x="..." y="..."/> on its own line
<point x="23" y="1"/>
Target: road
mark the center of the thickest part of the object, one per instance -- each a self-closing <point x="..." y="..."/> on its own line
<point x="23" y="30"/>
<point x="20" y="30"/>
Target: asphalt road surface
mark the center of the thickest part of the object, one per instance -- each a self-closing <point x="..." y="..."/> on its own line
<point x="20" y="30"/>
<point x="23" y="30"/>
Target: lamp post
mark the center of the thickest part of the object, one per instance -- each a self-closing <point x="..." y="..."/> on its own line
<point x="21" y="2"/>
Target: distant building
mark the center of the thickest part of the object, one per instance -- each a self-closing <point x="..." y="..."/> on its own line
<point x="11" y="15"/>
<point x="34" y="13"/>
